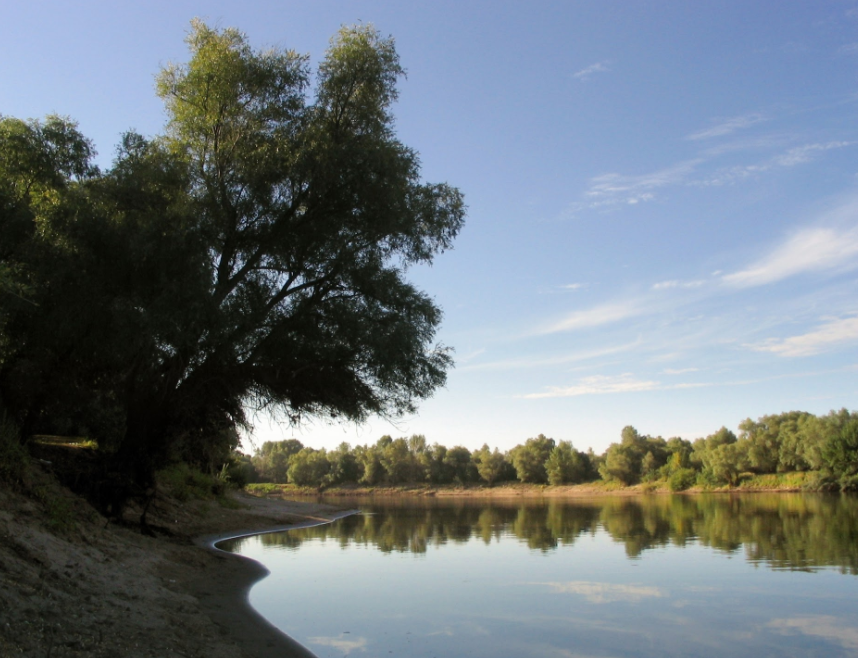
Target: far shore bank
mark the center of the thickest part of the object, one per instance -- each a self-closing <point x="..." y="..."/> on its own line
<point x="761" y="484"/>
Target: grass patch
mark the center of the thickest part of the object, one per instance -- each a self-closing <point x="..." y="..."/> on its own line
<point x="81" y="442"/>
<point x="61" y="515"/>
<point x="783" y="481"/>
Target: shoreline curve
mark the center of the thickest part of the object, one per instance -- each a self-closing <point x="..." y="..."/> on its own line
<point x="224" y="597"/>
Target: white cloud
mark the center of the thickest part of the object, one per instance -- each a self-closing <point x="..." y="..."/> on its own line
<point x="585" y="74"/>
<point x="678" y="371"/>
<point x="667" y="285"/>
<point x="830" y="628"/>
<point x="809" y="250"/>
<point x="605" y="592"/>
<point x="574" y="286"/>
<point x="727" y="126"/>
<point x="848" y="49"/>
<point x="597" y="385"/>
<point x="830" y="335"/>
<point x="595" y="317"/>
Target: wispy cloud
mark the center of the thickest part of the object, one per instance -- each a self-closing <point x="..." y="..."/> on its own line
<point x="613" y="188"/>
<point x="678" y="371"/>
<point x="606" y="384"/>
<point x="809" y="250"/>
<point x="667" y="285"/>
<point x="825" y="626"/>
<point x="596" y="592"/>
<point x="573" y="286"/>
<point x="586" y="73"/>
<point x="727" y="127"/>
<point x="577" y="357"/>
<point x="801" y="154"/>
<point x="830" y="335"/>
<point x="597" y="385"/>
<point x="790" y="158"/>
<point x="848" y="49"/>
<point x="595" y="317"/>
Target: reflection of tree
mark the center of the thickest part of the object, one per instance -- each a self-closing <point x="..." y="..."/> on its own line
<point x="785" y="531"/>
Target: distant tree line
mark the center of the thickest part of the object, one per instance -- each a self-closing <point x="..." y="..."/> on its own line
<point x="787" y="442"/>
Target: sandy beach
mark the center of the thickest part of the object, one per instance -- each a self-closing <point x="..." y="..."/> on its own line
<point x="73" y="585"/>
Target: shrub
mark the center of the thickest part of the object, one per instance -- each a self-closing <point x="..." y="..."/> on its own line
<point x="681" y="479"/>
<point x="186" y="483"/>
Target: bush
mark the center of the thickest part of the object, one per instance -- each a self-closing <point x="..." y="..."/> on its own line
<point x="681" y="479"/>
<point x="186" y="483"/>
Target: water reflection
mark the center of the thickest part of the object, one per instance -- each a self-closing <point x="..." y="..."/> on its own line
<point x="648" y="577"/>
<point x="783" y="531"/>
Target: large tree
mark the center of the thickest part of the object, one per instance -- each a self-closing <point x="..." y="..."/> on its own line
<point x="256" y="254"/>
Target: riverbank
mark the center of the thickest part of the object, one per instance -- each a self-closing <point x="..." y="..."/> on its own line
<point x="73" y="585"/>
<point x="785" y="482"/>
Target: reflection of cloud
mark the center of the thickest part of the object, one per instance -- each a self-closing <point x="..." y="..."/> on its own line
<point x="605" y="592"/>
<point x="446" y="631"/>
<point x="809" y="250"/>
<point x="727" y="127"/>
<point x="831" y="334"/>
<point x="346" y="645"/>
<point x="824" y="626"/>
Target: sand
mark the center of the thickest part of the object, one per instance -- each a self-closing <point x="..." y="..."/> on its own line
<point x="73" y="585"/>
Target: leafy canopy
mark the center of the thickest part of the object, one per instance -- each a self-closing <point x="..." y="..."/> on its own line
<point x="255" y="255"/>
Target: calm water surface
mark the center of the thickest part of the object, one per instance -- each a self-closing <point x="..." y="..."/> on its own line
<point x="751" y="575"/>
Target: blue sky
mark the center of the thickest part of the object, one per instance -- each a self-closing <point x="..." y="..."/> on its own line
<point x="663" y="197"/>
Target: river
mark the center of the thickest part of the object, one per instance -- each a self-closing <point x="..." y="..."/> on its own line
<point x="741" y="575"/>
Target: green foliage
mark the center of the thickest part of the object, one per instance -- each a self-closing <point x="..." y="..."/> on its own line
<point x="240" y="470"/>
<point x="271" y="461"/>
<point x="344" y="465"/>
<point x="460" y="466"/>
<point x="490" y="464"/>
<point x="840" y="455"/>
<point x="529" y="459"/>
<point x="682" y="479"/>
<point x="565" y="465"/>
<point x="253" y="255"/>
<point x="186" y="483"/>
<point x="309" y="467"/>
